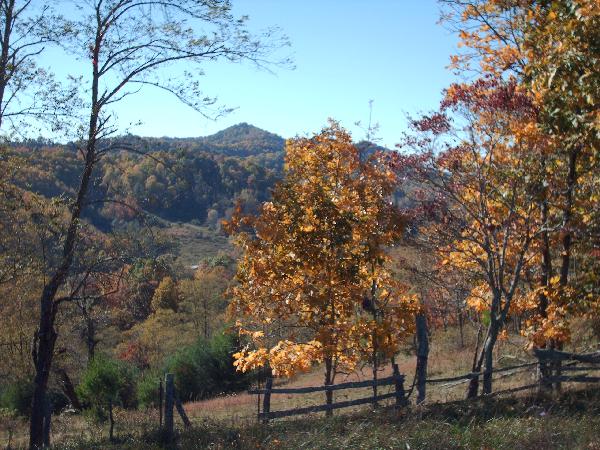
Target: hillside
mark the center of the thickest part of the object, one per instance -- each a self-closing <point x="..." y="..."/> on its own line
<point x="242" y="140"/>
<point x="195" y="180"/>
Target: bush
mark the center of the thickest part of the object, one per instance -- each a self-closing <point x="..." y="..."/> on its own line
<point x="222" y="348"/>
<point x="205" y="369"/>
<point x="107" y="381"/>
<point x="17" y="396"/>
<point x="147" y="390"/>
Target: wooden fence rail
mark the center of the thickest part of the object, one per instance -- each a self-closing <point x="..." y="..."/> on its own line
<point x="318" y="408"/>
<point x="471" y="375"/>
<point x="555" y="355"/>
<point x="396" y="380"/>
<point x="568" y="363"/>
<point x="332" y="387"/>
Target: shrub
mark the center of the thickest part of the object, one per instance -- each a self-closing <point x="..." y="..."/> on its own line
<point x="222" y="347"/>
<point x="107" y="381"/>
<point x="205" y="369"/>
<point x="148" y="390"/>
<point x="16" y="396"/>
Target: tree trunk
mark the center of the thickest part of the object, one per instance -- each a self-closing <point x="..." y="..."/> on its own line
<point x="488" y="352"/>
<point x="45" y="337"/>
<point x="567" y="239"/>
<point x="473" y="389"/>
<point x="567" y="235"/>
<point x="205" y="319"/>
<point x="111" y="421"/>
<point x="69" y="389"/>
<point x="329" y="382"/>
<point x="546" y="275"/>
<point x="90" y="337"/>
<point x="461" y="325"/>
<point x="375" y="403"/>
<point x="47" y="422"/>
<point x="4" y="64"/>
<point x="422" y="357"/>
<point x="42" y="352"/>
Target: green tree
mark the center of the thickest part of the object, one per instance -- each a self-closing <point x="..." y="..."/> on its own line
<point x="203" y="298"/>
<point x="106" y="383"/>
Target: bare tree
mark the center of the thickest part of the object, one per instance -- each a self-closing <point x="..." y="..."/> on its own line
<point x="27" y="28"/>
<point x="132" y="44"/>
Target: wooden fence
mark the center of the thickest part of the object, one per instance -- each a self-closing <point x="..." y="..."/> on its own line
<point x="396" y="380"/>
<point x="551" y="367"/>
<point x="171" y="402"/>
<point x="558" y="367"/>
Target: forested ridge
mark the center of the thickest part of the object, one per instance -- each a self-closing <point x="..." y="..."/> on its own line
<point x="175" y="179"/>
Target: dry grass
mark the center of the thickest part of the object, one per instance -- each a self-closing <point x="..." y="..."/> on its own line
<point x="230" y="421"/>
<point x="569" y="422"/>
<point x="196" y="243"/>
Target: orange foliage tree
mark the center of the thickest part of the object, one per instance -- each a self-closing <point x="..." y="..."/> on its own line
<point x="478" y="197"/>
<point x="549" y="50"/>
<point x="314" y="283"/>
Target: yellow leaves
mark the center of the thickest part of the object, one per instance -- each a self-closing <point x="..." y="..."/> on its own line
<point x="246" y="360"/>
<point x="286" y="358"/>
<point x="318" y="249"/>
<point x="307" y="228"/>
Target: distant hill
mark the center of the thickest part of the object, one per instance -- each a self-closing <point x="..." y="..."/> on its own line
<point x="192" y="180"/>
<point x="244" y="140"/>
<point x="177" y="179"/>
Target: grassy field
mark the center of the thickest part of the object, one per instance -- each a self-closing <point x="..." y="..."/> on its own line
<point x="196" y="243"/>
<point x="445" y="421"/>
<point x="570" y="422"/>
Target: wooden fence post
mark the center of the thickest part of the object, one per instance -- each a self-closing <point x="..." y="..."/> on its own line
<point x="267" y="400"/>
<point x="181" y="411"/>
<point x="169" y="403"/>
<point x="160" y="403"/>
<point x="422" y="356"/>
<point x="399" y="385"/>
<point x="544" y="373"/>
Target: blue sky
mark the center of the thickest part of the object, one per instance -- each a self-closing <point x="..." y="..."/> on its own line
<point x="346" y="52"/>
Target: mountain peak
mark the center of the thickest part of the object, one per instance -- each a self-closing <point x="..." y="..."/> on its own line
<point x="242" y="132"/>
<point x="245" y="139"/>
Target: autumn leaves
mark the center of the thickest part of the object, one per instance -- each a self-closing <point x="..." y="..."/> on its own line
<point x="314" y="280"/>
<point x="504" y="185"/>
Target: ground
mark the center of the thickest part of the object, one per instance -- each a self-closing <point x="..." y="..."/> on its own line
<point x="446" y="421"/>
<point x="571" y="422"/>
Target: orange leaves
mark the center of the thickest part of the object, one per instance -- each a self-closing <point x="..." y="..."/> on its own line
<point x="564" y="303"/>
<point x="312" y="256"/>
